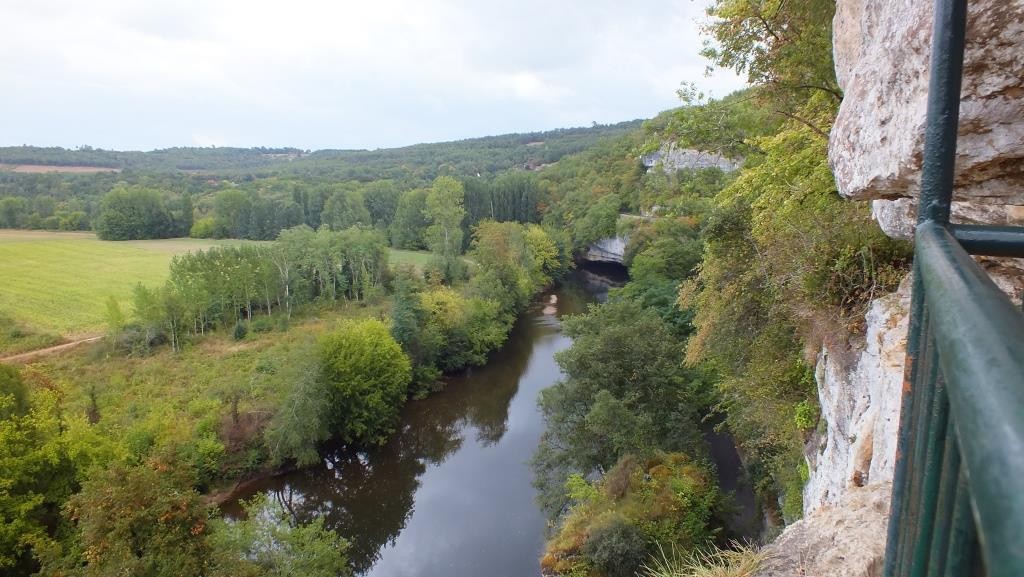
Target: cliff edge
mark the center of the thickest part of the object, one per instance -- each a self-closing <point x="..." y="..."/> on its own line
<point x="876" y="146"/>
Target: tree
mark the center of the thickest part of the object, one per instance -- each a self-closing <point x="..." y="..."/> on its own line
<point x="381" y="199"/>
<point x="785" y="48"/>
<point x="368" y="375"/>
<point x="141" y="520"/>
<point x="129" y="213"/>
<point x="115" y="319"/>
<point x="445" y="212"/>
<point x="344" y="209"/>
<point x="36" y="474"/>
<point x="625" y="389"/>
<point x="304" y="418"/>
<point x="410" y="223"/>
<point x="13" y="212"/>
<point x="268" y="541"/>
<point x="233" y="209"/>
<point x="599" y="221"/>
<point x="185" y="216"/>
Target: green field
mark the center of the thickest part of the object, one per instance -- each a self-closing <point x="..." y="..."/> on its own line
<point x="58" y="282"/>
<point x="416" y="258"/>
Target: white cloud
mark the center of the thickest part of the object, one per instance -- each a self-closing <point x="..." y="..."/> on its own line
<point x="323" y="73"/>
<point x="530" y="86"/>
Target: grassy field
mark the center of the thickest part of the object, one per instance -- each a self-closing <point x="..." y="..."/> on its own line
<point x="59" y="282"/>
<point x="416" y="258"/>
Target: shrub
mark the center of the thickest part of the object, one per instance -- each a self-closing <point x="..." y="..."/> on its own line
<point x="137" y="341"/>
<point x="618" y="549"/>
<point x="668" y="499"/>
<point x="806" y="415"/>
<point x="368" y="375"/>
<point x="136" y="520"/>
<point x="262" y="325"/>
<point x="240" y="331"/>
<point x="206" y="455"/>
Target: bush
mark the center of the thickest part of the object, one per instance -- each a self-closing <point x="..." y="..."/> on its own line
<point x="262" y="325"/>
<point x="806" y="415"/>
<point x="136" y="520"/>
<point x="618" y="549"/>
<point x="368" y="375"/>
<point x="137" y="341"/>
<point x="669" y="499"/>
<point x="205" y="228"/>
<point x="240" y="331"/>
<point x="206" y="455"/>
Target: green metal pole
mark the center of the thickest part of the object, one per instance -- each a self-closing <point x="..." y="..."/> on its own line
<point x="947" y="61"/>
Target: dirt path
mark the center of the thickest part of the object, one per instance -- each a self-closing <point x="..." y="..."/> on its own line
<point x="33" y="355"/>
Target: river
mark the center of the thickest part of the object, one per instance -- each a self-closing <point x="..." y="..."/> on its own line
<point x="450" y="494"/>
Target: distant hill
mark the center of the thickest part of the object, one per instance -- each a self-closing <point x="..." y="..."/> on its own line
<point x="484" y="155"/>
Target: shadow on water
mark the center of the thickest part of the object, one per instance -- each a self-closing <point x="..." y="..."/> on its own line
<point x="450" y="494"/>
<point x="746" y="522"/>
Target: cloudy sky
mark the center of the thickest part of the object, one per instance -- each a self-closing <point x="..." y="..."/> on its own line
<point x="144" y="74"/>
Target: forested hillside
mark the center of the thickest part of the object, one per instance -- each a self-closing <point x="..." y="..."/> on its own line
<point x="255" y="193"/>
<point x="485" y="154"/>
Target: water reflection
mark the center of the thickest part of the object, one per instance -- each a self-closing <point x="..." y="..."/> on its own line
<point x="450" y="494"/>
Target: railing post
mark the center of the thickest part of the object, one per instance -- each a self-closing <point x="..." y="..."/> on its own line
<point x="949" y="29"/>
<point x="934" y="201"/>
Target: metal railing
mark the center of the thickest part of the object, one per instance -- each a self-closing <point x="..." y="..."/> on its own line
<point x="958" y="488"/>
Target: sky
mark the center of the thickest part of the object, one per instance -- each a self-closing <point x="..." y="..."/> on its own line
<point x="313" y="74"/>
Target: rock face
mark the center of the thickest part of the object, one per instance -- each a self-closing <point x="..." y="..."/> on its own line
<point x="882" y="53"/>
<point x="847" y="540"/>
<point x="674" y="159"/>
<point x="861" y="405"/>
<point x="882" y="50"/>
<point x="607" y="250"/>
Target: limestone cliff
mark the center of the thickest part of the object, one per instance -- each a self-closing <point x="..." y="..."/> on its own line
<point x="611" y="249"/>
<point x="673" y="158"/>
<point x="876" y="149"/>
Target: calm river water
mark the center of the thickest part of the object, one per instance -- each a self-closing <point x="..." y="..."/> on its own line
<point x="450" y="494"/>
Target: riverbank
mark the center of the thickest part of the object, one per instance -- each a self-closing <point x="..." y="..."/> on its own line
<point x="457" y="467"/>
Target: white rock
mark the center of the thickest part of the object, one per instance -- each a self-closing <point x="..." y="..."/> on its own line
<point x="882" y="53"/>
<point x="674" y="159"/>
<point x="607" y="250"/>
<point x="860" y="402"/>
<point x="847" y="540"/>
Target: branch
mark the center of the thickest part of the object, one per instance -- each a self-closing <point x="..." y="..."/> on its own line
<point x="806" y="123"/>
<point x="767" y="27"/>
<point x="831" y="91"/>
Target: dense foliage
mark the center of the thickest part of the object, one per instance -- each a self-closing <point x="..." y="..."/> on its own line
<point x="129" y="213"/>
<point x="625" y="392"/>
<point x="748" y="273"/>
<point x="255" y="193"/>
<point x="619" y="522"/>
<point x="443" y="329"/>
<point x="223" y="286"/>
<point x="367" y="376"/>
